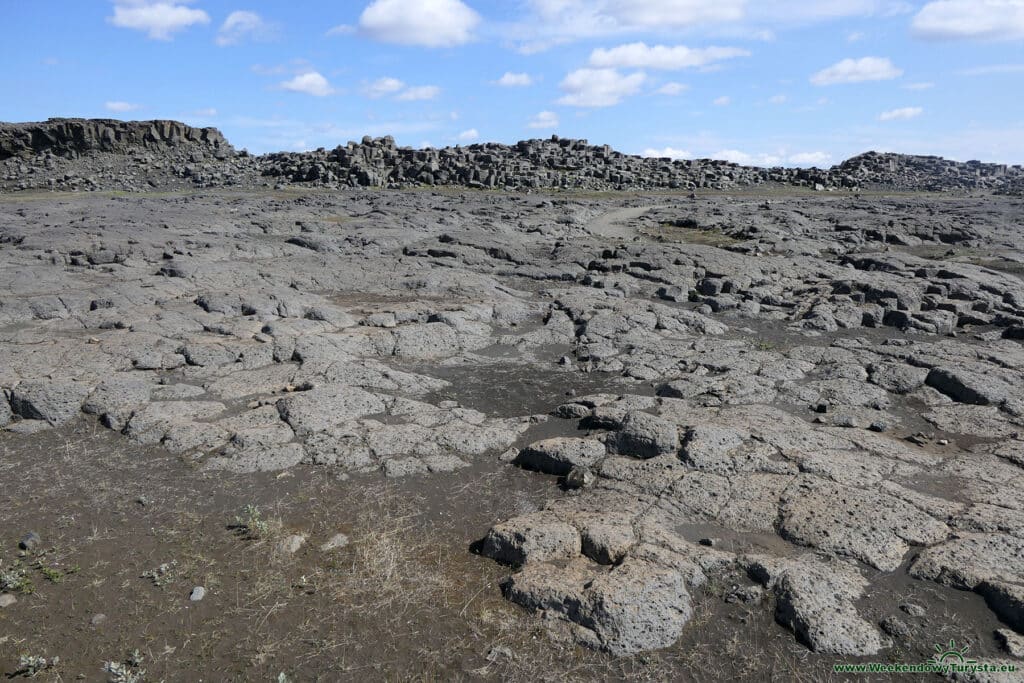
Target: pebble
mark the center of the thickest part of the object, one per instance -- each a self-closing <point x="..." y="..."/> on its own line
<point x="30" y="541"/>
<point x="6" y="600"/>
<point x="289" y="545"/>
<point x="197" y="594"/>
<point x="335" y="542"/>
<point x="913" y="610"/>
<point x="97" y="619"/>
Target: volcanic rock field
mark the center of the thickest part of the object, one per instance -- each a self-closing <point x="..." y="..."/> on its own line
<point x="795" y="392"/>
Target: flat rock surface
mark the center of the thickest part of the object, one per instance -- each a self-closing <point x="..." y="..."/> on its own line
<point x="781" y="409"/>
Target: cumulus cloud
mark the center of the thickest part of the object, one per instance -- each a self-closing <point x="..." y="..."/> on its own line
<point x="640" y="56"/>
<point x="240" y="26"/>
<point x="672" y="89"/>
<point x="419" y="92"/>
<point x="970" y="19"/>
<point x="545" y="119"/>
<point x="667" y="152"/>
<point x="427" y="23"/>
<point x="120" y="107"/>
<point x="919" y="86"/>
<point x="552" y="22"/>
<point x="902" y="114"/>
<point x="160" y="20"/>
<point x="309" y="83"/>
<point x="599" y="87"/>
<point x="469" y="135"/>
<point x="722" y="101"/>
<point x="857" y="71"/>
<point x="514" y="80"/>
<point x="383" y="86"/>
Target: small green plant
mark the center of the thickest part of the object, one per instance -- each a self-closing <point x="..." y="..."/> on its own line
<point x="251" y="524"/>
<point x="127" y="671"/>
<point x="764" y="345"/>
<point x="53" y="574"/>
<point x="16" y="580"/>
<point x="30" y="665"/>
<point x="162" y="575"/>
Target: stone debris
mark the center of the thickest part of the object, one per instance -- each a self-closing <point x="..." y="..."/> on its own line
<point x="793" y="398"/>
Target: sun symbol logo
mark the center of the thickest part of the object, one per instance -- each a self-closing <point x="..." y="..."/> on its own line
<point x="950" y="653"/>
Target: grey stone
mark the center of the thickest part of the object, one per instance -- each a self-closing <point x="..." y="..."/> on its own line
<point x="536" y="537"/>
<point x="30" y="541"/>
<point x="643" y="435"/>
<point x="56" y="401"/>
<point x="560" y="455"/>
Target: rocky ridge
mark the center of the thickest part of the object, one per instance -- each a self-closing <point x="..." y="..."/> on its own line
<point x="107" y="154"/>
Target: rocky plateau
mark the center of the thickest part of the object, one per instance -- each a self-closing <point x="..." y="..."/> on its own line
<point x="789" y="388"/>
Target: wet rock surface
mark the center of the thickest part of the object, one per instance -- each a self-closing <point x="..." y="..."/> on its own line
<point x="806" y="395"/>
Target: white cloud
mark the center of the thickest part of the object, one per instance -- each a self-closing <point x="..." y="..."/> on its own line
<point x="603" y="17"/>
<point x="419" y="92"/>
<point x="310" y="83"/>
<point x="744" y="159"/>
<point x="514" y="80"/>
<point x="428" y="23"/>
<point x="670" y="152"/>
<point x="545" y="119"/>
<point x="120" y="107"/>
<point x="207" y="113"/>
<point x="799" y="12"/>
<point x="857" y="71"/>
<point x="810" y="158"/>
<point x="778" y="158"/>
<point x="970" y="19"/>
<point x="901" y="114"/>
<point x="554" y="22"/>
<point x="854" y="37"/>
<point x="599" y="87"/>
<point x="919" y="86"/>
<point x="342" y="30"/>
<point x="241" y="25"/>
<point x="469" y="135"/>
<point x="722" y="101"/>
<point x="382" y="87"/>
<point x="777" y="99"/>
<point x="640" y="56"/>
<point x="158" y="19"/>
<point x="672" y="89"/>
<point x="992" y="69"/>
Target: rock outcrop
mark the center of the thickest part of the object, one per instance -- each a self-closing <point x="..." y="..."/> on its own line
<point x="91" y="154"/>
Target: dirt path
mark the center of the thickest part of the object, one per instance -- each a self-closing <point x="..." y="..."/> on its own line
<point x="616" y="224"/>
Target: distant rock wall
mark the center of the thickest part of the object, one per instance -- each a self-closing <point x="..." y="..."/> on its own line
<point x="574" y="164"/>
<point x="92" y="154"/>
<point x="73" y="137"/>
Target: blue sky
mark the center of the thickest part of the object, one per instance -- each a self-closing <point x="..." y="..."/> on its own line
<point x="793" y="82"/>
